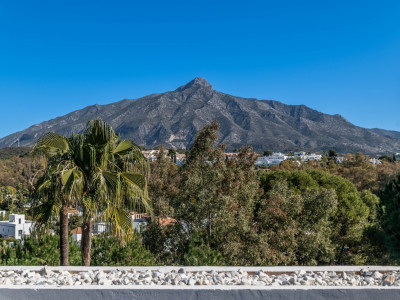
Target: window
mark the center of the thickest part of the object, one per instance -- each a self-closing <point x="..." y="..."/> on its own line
<point x="19" y="232"/>
<point x="19" y="220"/>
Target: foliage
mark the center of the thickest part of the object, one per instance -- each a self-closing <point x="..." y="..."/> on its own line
<point x="199" y="253"/>
<point x="109" y="251"/>
<point x="350" y="217"/>
<point x="97" y="170"/>
<point x="267" y="153"/>
<point x="390" y="197"/>
<point x="17" y="167"/>
<point x="219" y="211"/>
<point x="297" y="226"/>
<point x="37" y="251"/>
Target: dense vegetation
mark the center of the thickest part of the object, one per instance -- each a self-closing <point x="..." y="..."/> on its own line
<point x="227" y="212"/>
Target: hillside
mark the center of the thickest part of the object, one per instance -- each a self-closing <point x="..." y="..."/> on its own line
<point x="173" y="118"/>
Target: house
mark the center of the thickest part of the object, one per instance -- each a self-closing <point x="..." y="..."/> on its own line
<point x="139" y="220"/>
<point x="375" y="161"/>
<point x="306" y="157"/>
<point x="77" y="234"/>
<point x="151" y="155"/>
<point x="99" y="228"/>
<point x="16" y="227"/>
<point x="73" y="211"/>
<point x="273" y="159"/>
<point x="180" y="159"/>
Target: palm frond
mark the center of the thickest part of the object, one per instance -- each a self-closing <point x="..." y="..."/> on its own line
<point x="51" y="144"/>
<point x="99" y="132"/>
<point x="135" y="179"/>
<point x="124" y="147"/>
<point x="73" y="183"/>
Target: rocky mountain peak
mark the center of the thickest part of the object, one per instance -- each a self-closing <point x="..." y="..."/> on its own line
<point x="174" y="117"/>
<point x="195" y="84"/>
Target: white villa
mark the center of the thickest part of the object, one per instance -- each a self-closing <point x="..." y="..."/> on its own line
<point x="77" y="234"/>
<point x="16" y="227"/>
<point x="274" y="159"/>
<point x="306" y="157"/>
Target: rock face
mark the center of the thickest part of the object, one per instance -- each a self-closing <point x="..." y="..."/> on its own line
<point x="173" y="118"/>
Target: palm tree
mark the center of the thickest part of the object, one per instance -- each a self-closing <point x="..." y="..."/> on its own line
<point x="101" y="172"/>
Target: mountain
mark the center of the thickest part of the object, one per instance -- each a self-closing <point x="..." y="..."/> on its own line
<point x="387" y="133"/>
<point x="174" y="117"/>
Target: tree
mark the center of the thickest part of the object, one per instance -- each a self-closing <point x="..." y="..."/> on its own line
<point x="390" y="201"/>
<point x="55" y="193"/>
<point x="216" y="201"/>
<point x="267" y="153"/>
<point x="172" y="154"/>
<point x="200" y="199"/>
<point x="297" y="226"/>
<point x="108" y="251"/>
<point x="103" y="173"/>
<point x="332" y="154"/>
<point x="350" y="217"/>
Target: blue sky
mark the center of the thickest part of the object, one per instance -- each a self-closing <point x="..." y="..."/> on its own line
<point x="339" y="57"/>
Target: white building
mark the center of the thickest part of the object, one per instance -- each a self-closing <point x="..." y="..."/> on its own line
<point x="151" y="155"/>
<point x="139" y="220"/>
<point x="306" y="157"/>
<point x="274" y="159"/>
<point x="375" y="161"/>
<point x="16" y="227"/>
<point x="99" y="228"/>
<point x="77" y="234"/>
<point x="73" y="212"/>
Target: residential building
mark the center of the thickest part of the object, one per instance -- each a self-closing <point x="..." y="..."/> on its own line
<point x="375" y="161"/>
<point x="273" y="159"/>
<point x="139" y="220"/>
<point x="16" y="227"/>
<point x="73" y="211"/>
<point x="77" y="234"/>
<point x="306" y="157"/>
<point x="151" y="155"/>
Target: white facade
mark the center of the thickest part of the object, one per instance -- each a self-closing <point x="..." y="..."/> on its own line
<point x="16" y="227"/>
<point x="77" y="235"/>
<point x="375" y="161"/>
<point x="99" y="227"/>
<point x="274" y="159"/>
<point x="139" y="220"/>
<point x="312" y="156"/>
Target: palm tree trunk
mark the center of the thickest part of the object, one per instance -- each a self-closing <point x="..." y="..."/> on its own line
<point x="64" y="236"/>
<point x="86" y="243"/>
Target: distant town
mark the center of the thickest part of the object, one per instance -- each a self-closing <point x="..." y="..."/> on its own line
<point x="269" y="158"/>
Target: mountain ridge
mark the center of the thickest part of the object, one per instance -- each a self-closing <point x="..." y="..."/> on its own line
<point x="173" y="118"/>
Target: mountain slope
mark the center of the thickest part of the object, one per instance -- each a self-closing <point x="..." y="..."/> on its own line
<point x="387" y="133"/>
<point x="173" y="118"/>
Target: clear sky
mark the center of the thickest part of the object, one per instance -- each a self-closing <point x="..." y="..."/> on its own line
<point x="339" y="57"/>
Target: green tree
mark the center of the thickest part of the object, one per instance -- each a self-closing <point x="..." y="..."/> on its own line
<point x="108" y="251"/>
<point x="267" y="153"/>
<point x="217" y="198"/>
<point x="99" y="170"/>
<point x="200" y="199"/>
<point x="201" y="254"/>
<point x="390" y="201"/>
<point x="350" y="217"/>
<point x="297" y="226"/>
